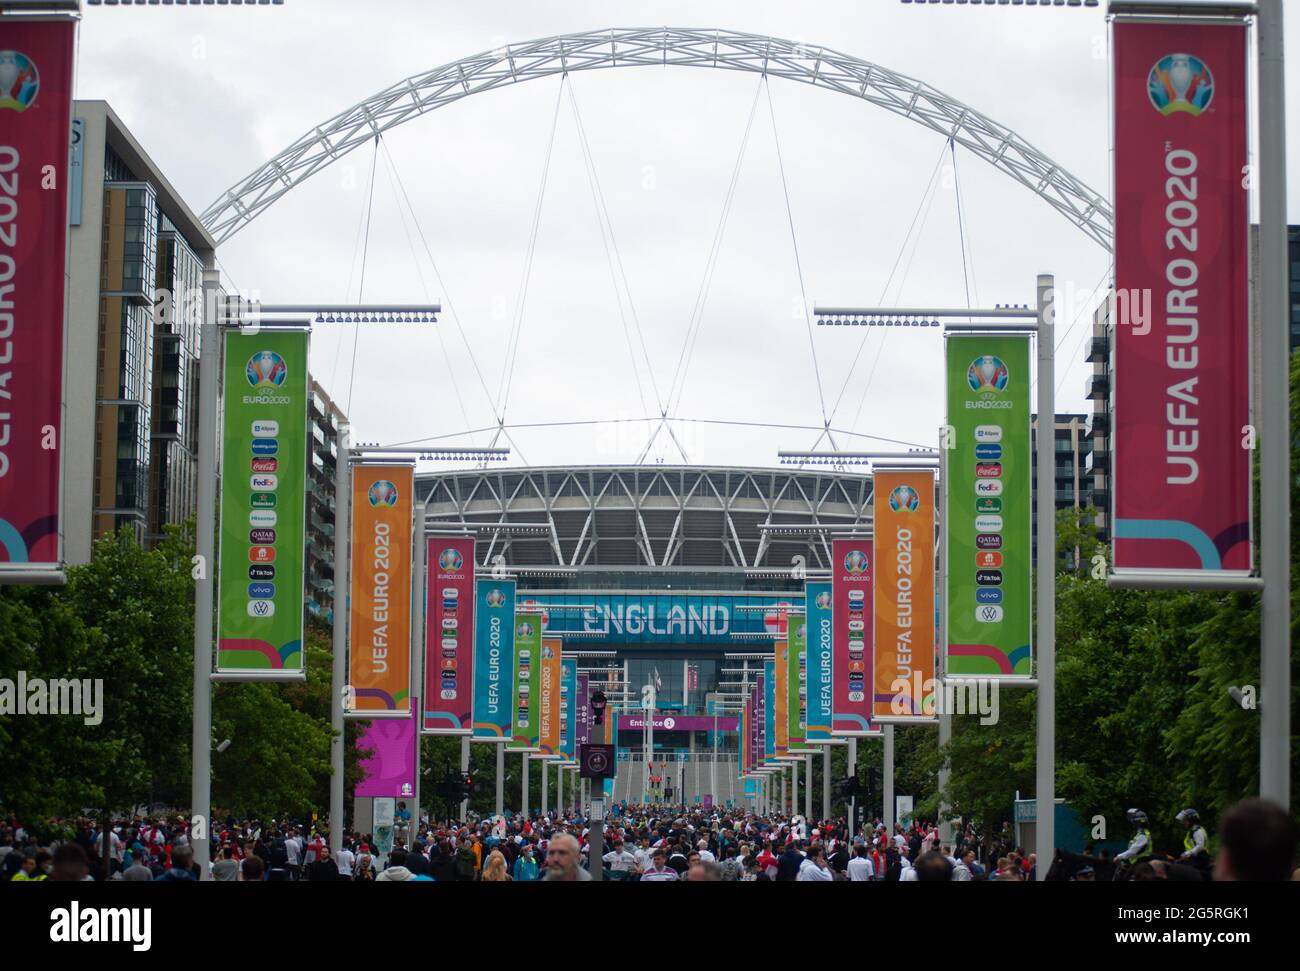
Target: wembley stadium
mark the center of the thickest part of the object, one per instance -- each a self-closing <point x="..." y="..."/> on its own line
<point x="671" y="575"/>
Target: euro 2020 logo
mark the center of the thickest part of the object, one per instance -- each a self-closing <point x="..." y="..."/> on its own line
<point x="496" y="598"/>
<point x="1180" y="83"/>
<point x="855" y="561"/>
<point x="988" y="374"/>
<point x="382" y="493"/>
<point x="266" y="369"/>
<point x="904" y="499"/>
<point x="450" y="560"/>
<point x="823" y="601"/>
<point x="19" y="81"/>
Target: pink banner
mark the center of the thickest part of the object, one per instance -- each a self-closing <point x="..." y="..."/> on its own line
<point x="852" y="614"/>
<point x="35" y="138"/>
<point x="390" y="770"/>
<point x="1182" y="477"/>
<point x="449" y="635"/>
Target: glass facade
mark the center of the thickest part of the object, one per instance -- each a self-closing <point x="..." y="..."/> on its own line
<point x="126" y="358"/>
<point x="322" y="445"/>
<point x="177" y="320"/>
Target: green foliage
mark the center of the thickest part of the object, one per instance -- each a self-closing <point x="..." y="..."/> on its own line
<point x="127" y="618"/>
<point x="1144" y="717"/>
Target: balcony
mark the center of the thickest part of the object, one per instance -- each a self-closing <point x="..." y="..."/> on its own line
<point x="1101" y="499"/>
<point x="1099" y="463"/>
<point x="1097" y="388"/>
<point x="1099" y="424"/>
<point x="1098" y="350"/>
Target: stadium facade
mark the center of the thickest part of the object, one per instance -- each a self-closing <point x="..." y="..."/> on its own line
<point x="656" y="570"/>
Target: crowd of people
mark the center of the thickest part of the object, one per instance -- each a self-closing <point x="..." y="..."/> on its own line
<point x="650" y="843"/>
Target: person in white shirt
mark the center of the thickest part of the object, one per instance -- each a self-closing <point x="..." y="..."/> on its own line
<point x="860" y="867"/>
<point x="908" y="875"/>
<point x="620" y="860"/>
<point x="814" y="868"/>
<point x="705" y="853"/>
<point x="345" y="859"/>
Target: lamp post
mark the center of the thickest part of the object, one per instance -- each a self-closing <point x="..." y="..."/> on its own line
<point x="220" y="315"/>
<point x="1039" y="321"/>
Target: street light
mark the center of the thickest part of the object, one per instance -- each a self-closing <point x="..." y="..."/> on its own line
<point x="1001" y="318"/>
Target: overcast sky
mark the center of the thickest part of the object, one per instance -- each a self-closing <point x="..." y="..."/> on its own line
<point x="211" y="93"/>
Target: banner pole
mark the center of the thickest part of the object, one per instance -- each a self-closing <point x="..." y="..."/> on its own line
<point x="523" y="786"/>
<point x="808" y="792"/>
<point x="826" y="782"/>
<point x="1275" y="460"/>
<point x="339" y="668"/>
<point x="464" y="768"/>
<point x="887" y="781"/>
<point x="205" y="554"/>
<point x="544" y="781"/>
<point x="1045" y="781"/>
<point x="853" y="774"/>
<point x="419" y="564"/>
<point x="501" y="778"/>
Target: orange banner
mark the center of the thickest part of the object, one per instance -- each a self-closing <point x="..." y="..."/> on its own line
<point x="380" y="630"/>
<point x="549" y="710"/>
<point x="904" y="595"/>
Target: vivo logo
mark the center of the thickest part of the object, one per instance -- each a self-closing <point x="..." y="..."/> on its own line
<point x="261" y="591"/>
<point x="988" y="595"/>
<point x="988" y="433"/>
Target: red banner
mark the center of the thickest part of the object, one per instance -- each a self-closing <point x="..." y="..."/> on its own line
<point x="449" y="636"/>
<point x="852" y="611"/>
<point x="1182" y="482"/>
<point x="35" y="138"/>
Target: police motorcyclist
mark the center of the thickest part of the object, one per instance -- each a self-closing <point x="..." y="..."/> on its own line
<point x="1139" y="848"/>
<point x="1194" y="849"/>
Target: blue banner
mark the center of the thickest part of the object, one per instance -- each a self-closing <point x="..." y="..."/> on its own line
<point x="769" y="711"/>
<point x="646" y="618"/>
<point x="494" y="658"/>
<point x="821" y="656"/>
<point x="568" y="707"/>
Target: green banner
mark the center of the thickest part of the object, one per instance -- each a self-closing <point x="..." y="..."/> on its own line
<point x="796" y="640"/>
<point x="988" y="493"/>
<point x="527" y="680"/>
<point x="263" y="502"/>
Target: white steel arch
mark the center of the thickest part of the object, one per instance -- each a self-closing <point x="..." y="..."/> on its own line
<point x="660" y="46"/>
